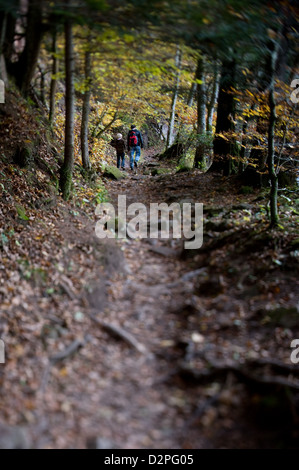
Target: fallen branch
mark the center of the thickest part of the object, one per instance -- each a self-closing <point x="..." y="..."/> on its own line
<point x="187" y="277"/>
<point x="67" y="285"/>
<point x="241" y="372"/>
<point x="120" y="333"/>
<point x="70" y="350"/>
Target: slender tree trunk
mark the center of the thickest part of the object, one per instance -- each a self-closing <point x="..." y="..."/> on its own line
<point x="192" y="92"/>
<point x="9" y="35"/>
<point x="55" y="70"/>
<point x="178" y="63"/>
<point x="201" y="113"/>
<point x="42" y="86"/>
<point x="212" y="102"/>
<point x="97" y="134"/>
<point x="85" y="112"/>
<point x="25" y="67"/>
<point x="225" y="119"/>
<point x="3" y="23"/>
<point x="67" y="167"/>
<point x="271" y="148"/>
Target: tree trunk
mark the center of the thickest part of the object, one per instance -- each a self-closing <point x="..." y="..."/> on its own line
<point x="212" y="102"/>
<point x="85" y="112"/>
<point x="9" y="35"/>
<point x="201" y="114"/>
<point x="67" y="167"/>
<point x="271" y="148"/>
<point x="42" y="86"/>
<point x="225" y="119"/>
<point x="53" y="86"/>
<point x="192" y="92"/>
<point x="3" y="23"/>
<point x="25" y="67"/>
<point x="170" y="135"/>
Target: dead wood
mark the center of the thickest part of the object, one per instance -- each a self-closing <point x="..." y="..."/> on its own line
<point x="120" y="333"/>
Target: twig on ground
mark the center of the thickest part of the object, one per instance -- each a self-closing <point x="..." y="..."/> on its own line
<point x="120" y="333"/>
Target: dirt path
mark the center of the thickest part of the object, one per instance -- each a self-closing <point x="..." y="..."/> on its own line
<point x="111" y="391"/>
<point x="178" y="308"/>
<point x="117" y="394"/>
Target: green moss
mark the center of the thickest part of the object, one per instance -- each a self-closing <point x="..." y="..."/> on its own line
<point x="160" y="171"/>
<point x="246" y="190"/>
<point x="21" y="212"/>
<point x="66" y="183"/>
<point x="114" y="173"/>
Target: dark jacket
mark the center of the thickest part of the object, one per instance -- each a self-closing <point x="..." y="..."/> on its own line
<point x="139" y="137"/>
<point x="119" y="145"/>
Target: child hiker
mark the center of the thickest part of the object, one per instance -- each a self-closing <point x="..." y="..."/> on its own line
<point x="119" y="144"/>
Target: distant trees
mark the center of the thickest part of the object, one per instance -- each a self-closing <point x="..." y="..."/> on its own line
<point x="133" y="68"/>
<point x="178" y="65"/>
<point x="86" y="110"/>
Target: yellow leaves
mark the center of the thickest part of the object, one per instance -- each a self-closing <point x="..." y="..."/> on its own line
<point x="235" y="13"/>
<point x="128" y="38"/>
<point x="222" y="136"/>
<point x="63" y="372"/>
<point x="18" y="351"/>
<point x="246" y="71"/>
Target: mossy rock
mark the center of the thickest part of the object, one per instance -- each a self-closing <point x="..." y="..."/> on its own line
<point x="246" y="190"/>
<point x="184" y="168"/>
<point x="160" y="171"/>
<point x="114" y="173"/>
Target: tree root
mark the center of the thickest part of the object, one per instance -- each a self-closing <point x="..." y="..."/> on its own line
<point x="120" y="333"/>
<point x="243" y="373"/>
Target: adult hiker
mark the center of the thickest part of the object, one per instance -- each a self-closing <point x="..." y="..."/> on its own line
<point x="135" y="144"/>
<point x="119" y="144"/>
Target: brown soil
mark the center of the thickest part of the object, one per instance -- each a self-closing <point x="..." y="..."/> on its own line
<point x="149" y="394"/>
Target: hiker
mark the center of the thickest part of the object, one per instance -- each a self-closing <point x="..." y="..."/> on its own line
<point x="119" y="144"/>
<point x="135" y="144"/>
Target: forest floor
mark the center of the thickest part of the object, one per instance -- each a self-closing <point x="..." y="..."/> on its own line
<point x="142" y="344"/>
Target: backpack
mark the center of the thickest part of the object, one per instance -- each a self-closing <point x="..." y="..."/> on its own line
<point x="133" y="139"/>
